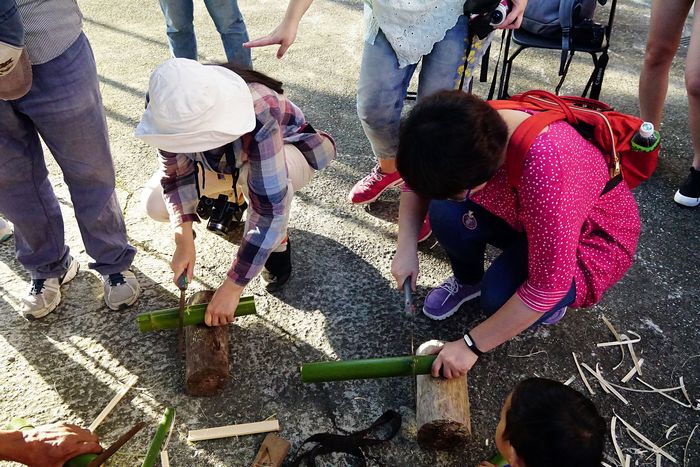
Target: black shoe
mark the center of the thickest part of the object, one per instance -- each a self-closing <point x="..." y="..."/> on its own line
<point x="688" y="194"/>
<point x="278" y="268"/>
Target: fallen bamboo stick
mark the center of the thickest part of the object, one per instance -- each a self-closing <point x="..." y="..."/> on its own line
<point x="318" y="372"/>
<point x="169" y="318"/>
<point x="113" y="403"/>
<point x="234" y="430"/>
<point x="162" y="431"/>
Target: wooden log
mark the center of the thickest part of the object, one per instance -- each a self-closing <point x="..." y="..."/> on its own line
<point x="206" y="354"/>
<point x="272" y="452"/>
<point x="443" y="417"/>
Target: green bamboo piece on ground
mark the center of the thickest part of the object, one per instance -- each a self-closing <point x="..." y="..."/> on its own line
<point x="499" y="461"/>
<point x="80" y="461"/>
<point x="318" y="372"/>
<point x="169" y="318"/>
<point x="156" y="446"/>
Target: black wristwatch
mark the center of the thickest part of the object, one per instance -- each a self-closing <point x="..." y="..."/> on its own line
<point x="472" y="345"/>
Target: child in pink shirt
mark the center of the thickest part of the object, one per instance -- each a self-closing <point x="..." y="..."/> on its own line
<point x="566" y="238"/>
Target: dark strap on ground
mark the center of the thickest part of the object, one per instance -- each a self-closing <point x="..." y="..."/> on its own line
<point x="350" y="444"/>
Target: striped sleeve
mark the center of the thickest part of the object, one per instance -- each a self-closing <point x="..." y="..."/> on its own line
<point x="179" y="187"/>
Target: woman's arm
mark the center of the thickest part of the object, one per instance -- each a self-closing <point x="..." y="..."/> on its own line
<point x="181" y="198"/>
<point x="412" y="211"/>
<point x="286" y="32"/>
<point x="511" y="319"/>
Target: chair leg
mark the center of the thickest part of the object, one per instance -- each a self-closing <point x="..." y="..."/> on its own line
<point x="505" y="72"/>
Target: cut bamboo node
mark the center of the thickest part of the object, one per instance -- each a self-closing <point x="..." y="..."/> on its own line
<point x="442" y="408"/>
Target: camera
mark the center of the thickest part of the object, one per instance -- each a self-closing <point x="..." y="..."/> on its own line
<point x="223" y="215"/>
<point x="485" y="15"/>
<point x="498" y="16"/>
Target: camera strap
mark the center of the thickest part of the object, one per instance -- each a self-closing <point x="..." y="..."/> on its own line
<point x="235" y="171"/>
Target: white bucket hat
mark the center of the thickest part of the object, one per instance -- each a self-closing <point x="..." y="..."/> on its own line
<point x="194" y="107"/>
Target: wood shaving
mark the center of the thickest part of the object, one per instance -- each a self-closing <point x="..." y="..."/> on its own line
<point x="607" y="387"/>
<point x="685" y="451"/>
<point x="623" y="342"/>
<point x="670" y="430"/>
<point x="687" y="406"/>
<point x="646" y="442"/>
<point x="687" y="397"/>
<point x="666" y="444"/>
<point x="632" y="372"/>
<point x="570" y="380"/>
<point x="618" y="337"/>
<point x="630" y="349"/>
<point x="613" y="434"/>
<point x="583" y="377"/>
<point x="628" y="460"/>
<point x="528" y="355"/>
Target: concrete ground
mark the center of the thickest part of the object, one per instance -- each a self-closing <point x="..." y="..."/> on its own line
<point x="341" y="301"/>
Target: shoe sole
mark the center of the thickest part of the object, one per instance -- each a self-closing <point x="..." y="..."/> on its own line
<point x="685" y="200"/>
<point x="391" y="185"/>
<point x="453" y="310"/>
<point x="275" y="286"/>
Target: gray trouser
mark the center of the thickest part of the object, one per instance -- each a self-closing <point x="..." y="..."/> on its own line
<point x="64" y="106"/>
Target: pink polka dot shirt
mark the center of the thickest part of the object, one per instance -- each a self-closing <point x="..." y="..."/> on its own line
<point x="572" y="231"/>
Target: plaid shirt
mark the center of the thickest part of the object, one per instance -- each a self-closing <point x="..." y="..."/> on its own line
<point x="279" y="122"/>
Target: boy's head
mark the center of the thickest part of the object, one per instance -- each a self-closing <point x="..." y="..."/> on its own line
<point x="545" y="423"/>
<point x="450" y="142"/>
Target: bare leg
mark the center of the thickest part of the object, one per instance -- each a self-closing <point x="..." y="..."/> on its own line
<point x="692" y="85"/>
<point x="388" y="166"/>
<point x="667" y="20"/>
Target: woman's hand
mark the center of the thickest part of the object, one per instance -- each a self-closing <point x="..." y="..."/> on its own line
<point x="404" y="264"/>
<point x="515" y="17"/>
<point x="53" y="445"/>
<point x="284" y="35"/>
<point x="455" y="359"/>
<point x="185" y="255"/>
<point x="223" y="305"/>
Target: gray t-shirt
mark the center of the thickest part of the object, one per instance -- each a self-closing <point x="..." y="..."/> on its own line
<point x="50" y="27"/>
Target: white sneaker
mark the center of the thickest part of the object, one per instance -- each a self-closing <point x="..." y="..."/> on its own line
<point x="5" y="230"/>
<point x="45" y="294"/>
<point x="121" y="289"/>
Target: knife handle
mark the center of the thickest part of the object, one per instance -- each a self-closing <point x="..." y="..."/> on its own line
<point x="182" y="281"/>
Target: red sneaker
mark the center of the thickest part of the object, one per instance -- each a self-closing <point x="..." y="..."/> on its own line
<point x="425" y="231"/>
<point x="373" y="185"/>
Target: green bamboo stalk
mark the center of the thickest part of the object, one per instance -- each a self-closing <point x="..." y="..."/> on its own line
<point x="169" y="318"/>
<point x="318" y="372"/>
<point x="499" y="461"/>
<point x="21" y="424"/>
<point x="161" y="433"/>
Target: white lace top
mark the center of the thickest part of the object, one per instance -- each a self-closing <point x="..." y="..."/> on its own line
<point x="412" y="27"/>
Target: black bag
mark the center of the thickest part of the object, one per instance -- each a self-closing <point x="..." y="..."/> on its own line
<point x="570" y="20"/>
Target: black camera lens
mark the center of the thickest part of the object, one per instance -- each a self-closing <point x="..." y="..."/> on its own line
<point x="204" y="207"/>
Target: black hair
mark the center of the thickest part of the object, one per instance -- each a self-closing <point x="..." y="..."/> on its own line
<point x="252" y="76"/>
<point x="549" y="423"/>
<point x="449" y="142"/>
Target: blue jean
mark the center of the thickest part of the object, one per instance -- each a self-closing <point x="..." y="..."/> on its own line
<point x="227" y="18"/>
<point x="64" y="106"/>
<point x="382" y="86"/>
<point x="464" y="229"/>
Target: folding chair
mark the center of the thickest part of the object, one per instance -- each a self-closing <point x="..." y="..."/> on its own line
<point x="568" y="46"/>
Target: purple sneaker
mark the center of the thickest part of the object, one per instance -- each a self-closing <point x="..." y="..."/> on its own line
<point x="444" y="301"/>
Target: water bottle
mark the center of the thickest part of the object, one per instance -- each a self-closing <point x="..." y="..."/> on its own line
<point x="645" y="139"/>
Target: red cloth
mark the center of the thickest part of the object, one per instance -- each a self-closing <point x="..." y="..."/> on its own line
<point x="572" y="231"/>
